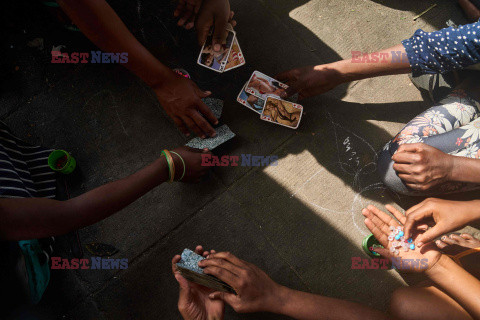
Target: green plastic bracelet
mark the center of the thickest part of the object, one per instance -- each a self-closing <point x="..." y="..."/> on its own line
<point x="184" y="167"/>
<point x="169" y="166"/>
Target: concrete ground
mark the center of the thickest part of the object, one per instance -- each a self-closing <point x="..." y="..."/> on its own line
<point x="300" y="221"/>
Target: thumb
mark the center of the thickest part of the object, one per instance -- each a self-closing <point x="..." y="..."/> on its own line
<point x="219" y="34"/>
<point x="225" y="297"/>
<point x="383" y="252"/>
<point x="430" y="235"/>
<point x="291" y="90"/>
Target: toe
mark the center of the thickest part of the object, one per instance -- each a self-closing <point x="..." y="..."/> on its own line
<point x="449" y="240"/>
<point x="440" y="244"/>
<point x="466" y="236"/>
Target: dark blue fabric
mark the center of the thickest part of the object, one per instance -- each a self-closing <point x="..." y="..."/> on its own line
<point x="444" y="50"/>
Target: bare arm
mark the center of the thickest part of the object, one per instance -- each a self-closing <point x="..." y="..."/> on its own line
<point x="37" y="217"/>
<point x="307" y="306"/>
<point x="99" y="22"/>
<point x="465" y="170"/>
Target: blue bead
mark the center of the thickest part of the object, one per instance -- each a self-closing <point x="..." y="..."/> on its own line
<point x="410" y="240"/>
<point x="412" y="246"/>
<point x="400" y="233"/>
<point x="397" y="237"/>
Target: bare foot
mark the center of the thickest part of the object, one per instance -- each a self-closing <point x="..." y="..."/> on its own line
<point x="472" y="12"/>
<point x="455" y="244"/>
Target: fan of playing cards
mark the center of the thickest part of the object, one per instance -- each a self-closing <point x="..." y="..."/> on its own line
<point x="261" y="93"/>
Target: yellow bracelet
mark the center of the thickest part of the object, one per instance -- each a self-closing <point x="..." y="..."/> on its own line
<point x="171" y="165"/>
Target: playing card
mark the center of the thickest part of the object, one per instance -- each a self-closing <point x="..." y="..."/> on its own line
<point x="235" y="58"/>
<point x="284" y="113"/>
<point x="215" y="60"/>
<point x="216" y="105"/>
<point x="250" y="101"/>
<point x="189" y="269"/>
<point x="223" y="135"/>
<point x="261" y="85"/>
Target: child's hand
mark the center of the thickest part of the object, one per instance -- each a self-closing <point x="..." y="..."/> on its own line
<point x="378" y="222"/>
<point x="214" y="13"/>
<point x="194" y="171"/>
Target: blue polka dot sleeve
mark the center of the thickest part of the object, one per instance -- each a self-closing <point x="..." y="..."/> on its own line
<point x="444" y="50"/>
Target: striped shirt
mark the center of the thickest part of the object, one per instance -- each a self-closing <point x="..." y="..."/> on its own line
<point x="24" y="170"/>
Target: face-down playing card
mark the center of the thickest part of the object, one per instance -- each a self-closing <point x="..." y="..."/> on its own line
<point x="189" y="269"/>
<point x="223" y="135"/>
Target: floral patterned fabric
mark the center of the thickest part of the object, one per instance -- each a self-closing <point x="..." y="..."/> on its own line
<point x="452" y="127"/>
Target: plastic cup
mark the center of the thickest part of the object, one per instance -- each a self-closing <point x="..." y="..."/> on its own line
<point x="368" y="242"/>
<point x="69" y="166"/>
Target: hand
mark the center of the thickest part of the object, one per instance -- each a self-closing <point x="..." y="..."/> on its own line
<point x="378" y="222"/>
<point x="445" y="216"/>
<point x="194" y="171"/>
<point x="310" y="81"/>
<point x="214" y="13"/>
<point x="187" y="11"/>
<point x="255" y="290"/>
<point x="193" y="301"/>
<point x="181" y="99"/>
<point x="421" y="166"/>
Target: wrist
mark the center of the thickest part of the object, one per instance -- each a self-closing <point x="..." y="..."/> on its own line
<point x="454" y="174"/>
<point x="162" y="169"/>
<point x="280" y="301"/>
<point x="160" y="78"/>
<point x="439" y="268"/>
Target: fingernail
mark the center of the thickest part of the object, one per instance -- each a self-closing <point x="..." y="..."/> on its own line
<point x="213" y="134"/>
<point x="419" y="244"/>
<point x="216" y="47"/>
<point x="216" y="122"/>
<point x="203" y="137"/>
<point x="444" y="237"/>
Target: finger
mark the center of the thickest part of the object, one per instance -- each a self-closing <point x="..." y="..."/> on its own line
<point x="199" y="249"/>
<point x="222" y="274"/>
<point x="292" y="89"/>
<point x="175" y="259"/>
<point x="383" y="252"/>
<point x="284" y="76"/>
<point x="466" y="236"/>
<point x="397" y="214"/>
<point x="402" y="168"/>
<point x="231" y="15"/>
<point x="219" y="33"/>
<point x="404" y="157"/>
<point x="181" y="126"/>
<point x="415" y="207"/>
<point x="233" y="23"/>
<point x="377" y="233"/>
<point x="440" y="244"/>
<point x="415" y="186"/>
<point x="455" y="237"/>
<point x="408" y="178"/>
<point x="230" y="257"/>
<point x="376" y="221"/>
<point x="430" y="235"/>
<point x="226" y="297"/>
<point x="414" y="217"/>
<point x="203" y="124"/>
<point x="385" y="218"/>
<point x="449" y="240"/>
<point x="203" y="28"/>
<point x="180" y="8"/>
<point x="410" y="147"/>
<point x="192" y="125"/>
<point x="207" y="112"/>
<point x="221" y="263"/>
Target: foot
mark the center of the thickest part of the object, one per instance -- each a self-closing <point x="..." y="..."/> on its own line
<point x="454" y="244"/>
<point x="472" y="12"/>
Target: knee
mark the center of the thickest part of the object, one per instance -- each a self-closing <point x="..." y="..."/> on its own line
<point x="388" y="175"/>
<point x="400" y="306"/>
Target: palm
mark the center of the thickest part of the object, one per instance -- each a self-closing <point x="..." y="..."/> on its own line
<point x="379" y="224"/>
<point x="200" y="307"/>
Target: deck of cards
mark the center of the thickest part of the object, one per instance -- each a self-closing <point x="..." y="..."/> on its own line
<point x="229" y="57"/>
<point x="189" y="269"/>
<point x="262" y="94"/>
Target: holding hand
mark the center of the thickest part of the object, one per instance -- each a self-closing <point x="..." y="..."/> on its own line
<point x="310" y="81"/>
<point x="214" y="13"/>
<point x="378" y="222"/>
<point x="193" y="301"/>
<point x="181" y="99"/>
<point x="255" y="290"/>
<point x="422" y="167"/>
